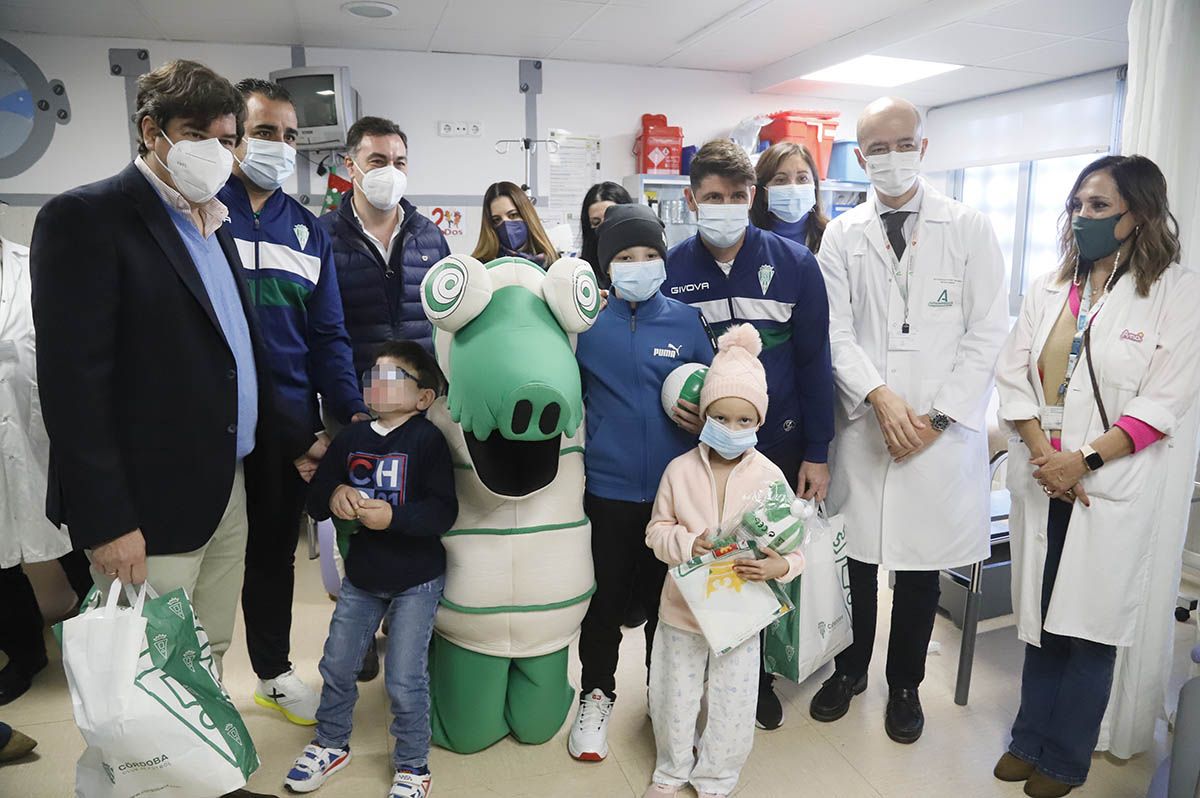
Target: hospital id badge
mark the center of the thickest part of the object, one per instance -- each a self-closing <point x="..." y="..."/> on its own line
<point x="1052" y="417"/>
<point x="899" y="341"/>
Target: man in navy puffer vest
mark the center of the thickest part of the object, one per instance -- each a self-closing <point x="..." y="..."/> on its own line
<point x="381" y="245"/>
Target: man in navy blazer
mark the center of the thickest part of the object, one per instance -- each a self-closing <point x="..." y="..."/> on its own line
<point x="151" y="369"/>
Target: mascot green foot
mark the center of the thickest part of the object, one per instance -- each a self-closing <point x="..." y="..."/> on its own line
<point x="478" y="700"/>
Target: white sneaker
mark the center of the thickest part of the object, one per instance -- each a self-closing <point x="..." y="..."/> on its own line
<point x="589" y="736"/>
<point x="288" y="694"/>
<point x="314" y="765"/>
<point x="410" y="785"/>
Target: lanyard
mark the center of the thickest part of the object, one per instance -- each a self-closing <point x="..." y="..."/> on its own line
<point x="902" y="268"/>
<point x="1086" y="314"/>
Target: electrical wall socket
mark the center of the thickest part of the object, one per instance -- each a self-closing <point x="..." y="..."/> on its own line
<point x="459" y="129"/>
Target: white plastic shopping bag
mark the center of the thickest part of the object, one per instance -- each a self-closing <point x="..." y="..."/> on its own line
<point x="100" y="655"/>
<point x="799" y="643"/>
<point x="148" y="703"/>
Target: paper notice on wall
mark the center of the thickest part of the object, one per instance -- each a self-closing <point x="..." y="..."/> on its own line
<point x="450" y="221"/>
<point x="574" y="168"/>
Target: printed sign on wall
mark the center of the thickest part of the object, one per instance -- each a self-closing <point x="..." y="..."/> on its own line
<point x="449" y="220"/>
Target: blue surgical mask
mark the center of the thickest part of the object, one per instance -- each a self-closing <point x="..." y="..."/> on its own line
<point x="637" y="282"/>
<point x="268" y="163"/>
<point x="722" y="226"/>
<point x="789" y="203"/>
<point x="513" y="234"/>
<point x="725" y="442"/>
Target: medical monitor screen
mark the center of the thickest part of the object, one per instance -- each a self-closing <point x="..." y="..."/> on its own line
<point x="315" y="99"/>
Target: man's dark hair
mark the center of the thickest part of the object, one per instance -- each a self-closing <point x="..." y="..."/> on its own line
<point x="724" y="159"/>
<point x="186" y="90"/>
<point x="428" y="374"/>
<point x="372" y="126"/>
<point x="268" y="89"/>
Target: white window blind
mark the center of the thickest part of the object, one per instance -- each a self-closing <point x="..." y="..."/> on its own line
<point x="1066" y="117"/>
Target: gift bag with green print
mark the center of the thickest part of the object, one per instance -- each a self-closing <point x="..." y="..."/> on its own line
<point x="149" y="703"/>
<point x="799" y="643"/>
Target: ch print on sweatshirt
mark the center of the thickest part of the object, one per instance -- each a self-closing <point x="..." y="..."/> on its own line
<point x="382" y="476"/>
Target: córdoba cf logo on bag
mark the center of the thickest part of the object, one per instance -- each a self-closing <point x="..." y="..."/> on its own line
<point x="232" y="733"/>
<point x="176" y="606"/>
<point x="160" y="645"/>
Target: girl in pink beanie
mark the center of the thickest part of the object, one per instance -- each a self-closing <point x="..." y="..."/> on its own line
<point x="697" y="491"/>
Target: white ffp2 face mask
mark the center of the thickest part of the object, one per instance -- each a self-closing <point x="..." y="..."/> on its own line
<point x="722" y="225"/>
<point x="198" y="168"/>
<point x="383" y="186"/>
<point x="268" y="163"/>
<point x="894" y="173"/>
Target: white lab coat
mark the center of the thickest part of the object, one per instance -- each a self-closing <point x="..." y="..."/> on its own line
<point x="1146" y="351"/>
<point x="931" y="511"/>
<point x="25" y="534"/>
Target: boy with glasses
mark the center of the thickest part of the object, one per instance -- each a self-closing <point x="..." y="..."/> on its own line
<point x="395" y="478"/>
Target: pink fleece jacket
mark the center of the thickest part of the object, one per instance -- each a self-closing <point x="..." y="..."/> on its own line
<point x="686" y="505"/>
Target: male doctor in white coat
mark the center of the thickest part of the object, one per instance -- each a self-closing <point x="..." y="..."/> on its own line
<point x="917" y="313"/>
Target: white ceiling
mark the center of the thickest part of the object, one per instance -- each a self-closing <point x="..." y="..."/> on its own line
<point x="1004" y="44"/>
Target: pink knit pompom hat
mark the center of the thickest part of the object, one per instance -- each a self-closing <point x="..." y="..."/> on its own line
<point x="736" y="371"/>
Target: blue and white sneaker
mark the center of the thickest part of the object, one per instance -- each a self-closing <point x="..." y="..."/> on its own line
<point x="314" y="766"/>
<point x="411" y="785"/>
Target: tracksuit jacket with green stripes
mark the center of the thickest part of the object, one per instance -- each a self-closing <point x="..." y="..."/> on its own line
<point x="288" y="266"/>
<point x="776" y="285"/>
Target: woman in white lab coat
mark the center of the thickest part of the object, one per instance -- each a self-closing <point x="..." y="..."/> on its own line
<point x="1103" y="362"/>
<point x="25" y="534"/>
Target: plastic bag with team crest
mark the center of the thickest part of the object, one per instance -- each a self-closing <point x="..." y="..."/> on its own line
<point x="729" y="609"/>
<point x="149" y="703"/>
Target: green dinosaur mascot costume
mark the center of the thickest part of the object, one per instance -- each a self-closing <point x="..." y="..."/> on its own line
<point x="519" y="564"/>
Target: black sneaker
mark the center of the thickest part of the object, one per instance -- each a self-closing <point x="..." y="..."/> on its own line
<point x="16" y="679"/>
<point x="904" y="720"/>
<point x="370" y="663"/>
<point x="635" y="616"/>
<point x="832" y="701"/>
<point x="770" y="711"/>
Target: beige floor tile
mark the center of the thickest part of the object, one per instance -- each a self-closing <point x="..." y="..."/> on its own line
<point x="796" y="760"/>
<point x="849" y="759"/>
<point x="50" y="771"/>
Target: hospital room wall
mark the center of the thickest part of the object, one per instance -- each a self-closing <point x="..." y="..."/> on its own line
<point x="415" y="89"/>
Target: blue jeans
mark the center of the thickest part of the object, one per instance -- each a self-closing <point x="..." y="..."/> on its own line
<point x="5" y="734"/>
<point x="405" y="665"/>
<point x="1064" y="685"/>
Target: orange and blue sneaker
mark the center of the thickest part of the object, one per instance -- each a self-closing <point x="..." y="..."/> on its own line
<point x="314" y="765"/>
<point x="411" y="784"/>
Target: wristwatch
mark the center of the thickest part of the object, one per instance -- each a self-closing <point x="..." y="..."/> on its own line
<point x="1091" y="457"/>
<point x="939" y="420"/>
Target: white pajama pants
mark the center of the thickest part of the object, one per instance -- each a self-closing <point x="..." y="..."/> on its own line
<point x="678" y="666"/>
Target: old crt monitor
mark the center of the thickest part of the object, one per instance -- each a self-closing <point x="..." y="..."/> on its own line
<point x="325" y="103"/>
